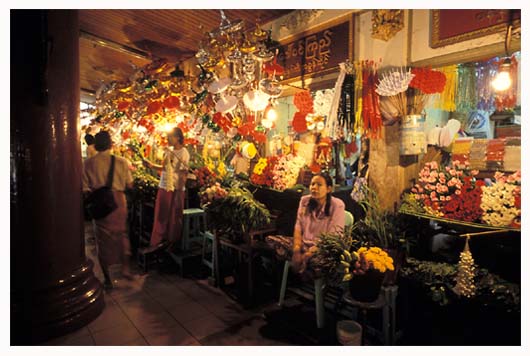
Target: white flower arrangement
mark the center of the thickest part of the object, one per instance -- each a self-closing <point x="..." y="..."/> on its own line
<point x="499" y="202"/>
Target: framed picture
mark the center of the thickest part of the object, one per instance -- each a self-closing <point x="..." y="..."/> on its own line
<point x="451" y="26"/>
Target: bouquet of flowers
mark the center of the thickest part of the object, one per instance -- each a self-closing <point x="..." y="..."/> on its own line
<point x="466" y="206"/>
<point x="263" y="172"/>
<point x="216" y="191"/>
<point x="205" y="176"/>
<point x="437" y="186"/>
<point x="501" y="201"/>
<point x="364" y="259"/>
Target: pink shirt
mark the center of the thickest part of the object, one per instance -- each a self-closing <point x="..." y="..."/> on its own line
<point x="312" y="225"/>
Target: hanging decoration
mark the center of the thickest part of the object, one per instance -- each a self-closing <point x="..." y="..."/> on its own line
<point x="465" y="278"/>
<point x="371" y="113"/>
<point x="446" y="100"/>
<point x="243" y="70"/>
<point x="486" y="95"/>
<point x="424" y="83"/>
<point x="304" y="103"/>
<point x="466" y="98"/>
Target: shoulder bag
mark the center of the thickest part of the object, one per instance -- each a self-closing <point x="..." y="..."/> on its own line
<point x="100" y="202"/>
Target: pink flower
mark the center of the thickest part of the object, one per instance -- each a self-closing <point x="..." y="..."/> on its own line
<point x="474" y="172"/>
<point x="457" y="192"/>
<point x="452" y="172"/>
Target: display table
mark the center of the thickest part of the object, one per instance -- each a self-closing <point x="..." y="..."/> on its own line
<point x="253" y="244"/>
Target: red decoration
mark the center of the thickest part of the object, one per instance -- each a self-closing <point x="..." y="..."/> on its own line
<point x="122" y="105"/>
<point x="171" y="102"/>
<point x="259" y="137"/>
<point x="315" y="168"/>
<point x="153" y="107"/>
<point x="299" y="124"/>
<point x="273" y="68"/>
<point x="427" y="81"/>
<point x="303" y="102"/>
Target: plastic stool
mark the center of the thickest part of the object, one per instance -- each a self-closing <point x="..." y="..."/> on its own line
<point x="319" y="300"/>
<point x="191" y="232"/>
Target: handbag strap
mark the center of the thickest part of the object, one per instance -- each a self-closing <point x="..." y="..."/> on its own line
<point x="111" y="172"/>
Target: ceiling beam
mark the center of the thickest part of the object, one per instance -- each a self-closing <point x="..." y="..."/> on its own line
<point x="100" y="41"/>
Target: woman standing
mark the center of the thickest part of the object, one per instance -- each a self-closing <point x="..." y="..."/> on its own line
<point x="169" y="207"/>
<point x="112" y="239"/>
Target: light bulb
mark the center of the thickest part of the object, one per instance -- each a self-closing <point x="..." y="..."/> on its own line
<point x="503" y="80"/>
<point x="271" y="115"/>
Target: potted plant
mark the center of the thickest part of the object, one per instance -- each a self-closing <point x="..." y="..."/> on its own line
<point x="364" y="269"/>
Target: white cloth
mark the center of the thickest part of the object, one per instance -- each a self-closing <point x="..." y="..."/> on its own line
<point x="96" y="170"/>
<point x="176" y="163"/>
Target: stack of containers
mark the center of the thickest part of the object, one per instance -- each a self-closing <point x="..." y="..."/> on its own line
<point x="477" y="154"/>
<point x="512" y="154"/>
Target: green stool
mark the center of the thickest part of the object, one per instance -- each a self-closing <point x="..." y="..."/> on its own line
<point x="194" y="225"/>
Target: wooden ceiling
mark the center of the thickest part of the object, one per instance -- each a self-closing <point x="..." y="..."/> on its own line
<point x="113" y="42"/>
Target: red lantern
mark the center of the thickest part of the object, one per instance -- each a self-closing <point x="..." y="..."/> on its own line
<point x="153" y="107"/>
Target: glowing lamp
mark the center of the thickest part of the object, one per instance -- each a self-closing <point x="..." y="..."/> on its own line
<point x="503" y="80"/>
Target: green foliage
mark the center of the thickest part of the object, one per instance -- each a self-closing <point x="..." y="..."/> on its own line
<point x="379" y="228"/>
<point x="145" y="186"/>
<point x="327" y="258"/>
<point x="410" y="205"/>
<point x="237" y="213"/>
<point x="439" y="279"/>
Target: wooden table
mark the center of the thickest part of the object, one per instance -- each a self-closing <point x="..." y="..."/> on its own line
<point x="253" y="243"/>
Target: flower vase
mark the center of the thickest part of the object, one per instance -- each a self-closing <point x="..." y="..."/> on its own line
<point x="366" y="287"/>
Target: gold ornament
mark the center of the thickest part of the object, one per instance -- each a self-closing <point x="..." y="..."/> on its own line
<point x="465" y="284"/>
<point x="386" y="23"/>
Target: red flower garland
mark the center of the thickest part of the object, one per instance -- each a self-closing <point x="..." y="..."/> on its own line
<point x="427" y="81"/>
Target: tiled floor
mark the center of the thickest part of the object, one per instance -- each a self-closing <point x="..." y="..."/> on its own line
<point x="165" y="309"/>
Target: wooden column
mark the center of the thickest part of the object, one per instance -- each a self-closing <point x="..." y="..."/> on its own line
<point x="53" y="288"/>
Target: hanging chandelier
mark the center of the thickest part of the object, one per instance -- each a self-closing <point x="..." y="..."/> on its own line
<point x="244" y="80"/>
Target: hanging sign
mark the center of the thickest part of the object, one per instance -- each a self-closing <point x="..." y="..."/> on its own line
<point x="317" y="53"/>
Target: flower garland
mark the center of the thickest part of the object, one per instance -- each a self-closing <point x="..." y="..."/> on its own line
<point x="501" y="201"/>
<point x="286" y="171"/>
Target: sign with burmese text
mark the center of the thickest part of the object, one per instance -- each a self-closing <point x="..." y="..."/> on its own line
<point x="316" y="54"/>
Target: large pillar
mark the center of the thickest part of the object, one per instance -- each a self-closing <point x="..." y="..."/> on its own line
<point x="53" y="288"/>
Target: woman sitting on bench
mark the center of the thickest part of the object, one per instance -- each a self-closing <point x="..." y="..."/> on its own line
<point x="318" y="213"/>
